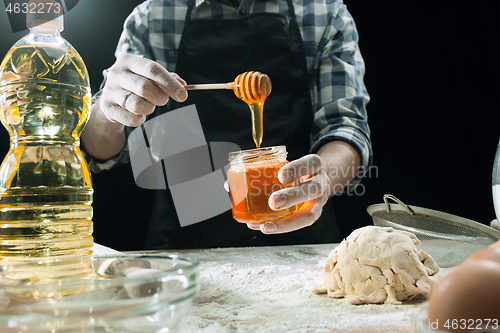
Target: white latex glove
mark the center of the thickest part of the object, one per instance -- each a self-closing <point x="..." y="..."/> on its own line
<point x="310" y="193"/>
<point x="146" y="83"/>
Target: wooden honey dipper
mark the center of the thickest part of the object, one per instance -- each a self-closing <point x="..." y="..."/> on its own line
<point x="250" y="87"/>
<point x="253" y="89"/>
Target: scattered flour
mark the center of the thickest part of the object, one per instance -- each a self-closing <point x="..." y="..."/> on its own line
<point x="268" y="290"/>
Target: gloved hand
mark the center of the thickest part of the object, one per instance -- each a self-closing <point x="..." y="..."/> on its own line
<point x="310" y="193"/>
<point x="134" y="86"/>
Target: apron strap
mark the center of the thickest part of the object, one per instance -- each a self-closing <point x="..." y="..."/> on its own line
<point x="190" y="10"/>
<point x="291" y="10"/>
<point x="191" y="4"/>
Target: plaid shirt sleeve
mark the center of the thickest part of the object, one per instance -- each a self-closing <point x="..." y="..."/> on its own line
<point x="133" y="40"/>
<point x="339" y="93"/>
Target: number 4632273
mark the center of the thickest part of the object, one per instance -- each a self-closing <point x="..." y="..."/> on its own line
<point x="33" y="8"/>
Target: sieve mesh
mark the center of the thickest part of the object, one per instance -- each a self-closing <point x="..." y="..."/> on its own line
<point x="434" y="227"/>
<point x="447" y="238"/>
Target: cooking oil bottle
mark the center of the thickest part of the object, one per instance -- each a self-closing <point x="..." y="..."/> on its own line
<point x="45" y="185"/>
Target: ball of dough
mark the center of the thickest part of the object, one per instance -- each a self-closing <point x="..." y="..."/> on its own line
<point x="378" y="265"/>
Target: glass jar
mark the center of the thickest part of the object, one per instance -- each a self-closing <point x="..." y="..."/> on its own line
<point x="496" y="183"/>
<point x="252" y="178"/>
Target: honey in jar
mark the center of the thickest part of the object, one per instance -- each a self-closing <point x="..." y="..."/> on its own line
<point x="252" y="178"/>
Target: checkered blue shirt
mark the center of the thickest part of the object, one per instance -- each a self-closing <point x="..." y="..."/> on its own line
<point x="335" y="64"/>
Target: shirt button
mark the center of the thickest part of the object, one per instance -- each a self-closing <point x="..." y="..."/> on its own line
<point x="243" y="11"/>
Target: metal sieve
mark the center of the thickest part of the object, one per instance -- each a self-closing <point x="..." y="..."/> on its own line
<point x="449" y="239"/>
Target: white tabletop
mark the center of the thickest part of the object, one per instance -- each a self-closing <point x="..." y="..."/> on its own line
<point x="267" y="289"/>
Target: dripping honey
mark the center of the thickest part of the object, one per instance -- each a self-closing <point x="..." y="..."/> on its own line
<point x="256" y="110"/>
<point x="253" y="89"/>
<point x="252" y="178"/>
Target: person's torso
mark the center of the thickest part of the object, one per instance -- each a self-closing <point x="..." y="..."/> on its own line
<point x="166" y="22"/>
<point x="215" y="51"/>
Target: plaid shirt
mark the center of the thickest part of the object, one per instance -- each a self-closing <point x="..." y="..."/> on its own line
<point x="335" y="65"/>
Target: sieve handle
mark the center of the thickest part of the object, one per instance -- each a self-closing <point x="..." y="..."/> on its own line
<point x="388" y="207"/>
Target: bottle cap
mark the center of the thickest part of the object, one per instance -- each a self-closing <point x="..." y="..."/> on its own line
<point x="48" y="14"/>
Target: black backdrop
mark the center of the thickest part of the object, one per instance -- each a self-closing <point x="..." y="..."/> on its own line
<point x="431" y="73"/>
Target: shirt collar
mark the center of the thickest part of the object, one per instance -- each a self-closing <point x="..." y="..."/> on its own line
<point x="232" y="2"/>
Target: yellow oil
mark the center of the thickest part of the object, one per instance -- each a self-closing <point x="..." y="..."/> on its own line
<point x="45" y="185"/>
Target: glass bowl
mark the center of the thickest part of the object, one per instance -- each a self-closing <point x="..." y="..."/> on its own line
<point x="496" y="182"/>
<point x="123" y="293"/>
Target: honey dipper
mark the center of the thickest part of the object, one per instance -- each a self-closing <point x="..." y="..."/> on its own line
<point x="250" y="87"/>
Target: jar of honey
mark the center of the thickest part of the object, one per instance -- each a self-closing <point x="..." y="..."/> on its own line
<point x="252" y="178"/>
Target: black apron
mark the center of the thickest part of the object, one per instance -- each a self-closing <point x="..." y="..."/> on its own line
<point x="216" y="51"/>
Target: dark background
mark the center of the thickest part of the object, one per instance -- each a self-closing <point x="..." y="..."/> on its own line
<point x="432" y="75"/>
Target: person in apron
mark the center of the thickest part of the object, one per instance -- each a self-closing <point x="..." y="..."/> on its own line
<point x="220" y="50"/>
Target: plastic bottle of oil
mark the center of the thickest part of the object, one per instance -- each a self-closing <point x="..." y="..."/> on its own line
<point x="45" y="185"/>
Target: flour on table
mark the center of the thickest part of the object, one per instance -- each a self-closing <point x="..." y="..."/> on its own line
<point x="378" y="265"/>
<point x="266" y="290"/>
